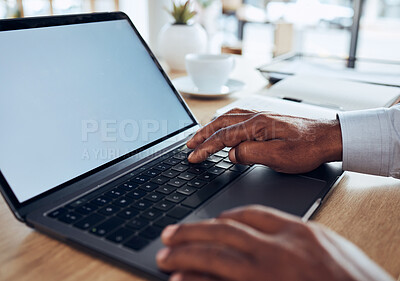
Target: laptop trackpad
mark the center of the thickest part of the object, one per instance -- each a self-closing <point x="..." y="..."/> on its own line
<point x="290" y="193"/>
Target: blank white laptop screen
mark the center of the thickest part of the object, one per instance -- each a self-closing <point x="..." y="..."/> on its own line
<point x="75" y="97"/>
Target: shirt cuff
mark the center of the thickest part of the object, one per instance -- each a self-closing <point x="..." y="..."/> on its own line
<point x="366" y="141"/>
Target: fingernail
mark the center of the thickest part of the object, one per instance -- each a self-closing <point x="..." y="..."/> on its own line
<point x="190" y="156"/>
<point x="162" y="254"/>
<point x="168" y="232"/>
<point x="232" y="155"/>
<point x="176" y="277"/>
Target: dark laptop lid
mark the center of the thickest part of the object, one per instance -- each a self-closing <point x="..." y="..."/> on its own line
<point x="80" y="93"/>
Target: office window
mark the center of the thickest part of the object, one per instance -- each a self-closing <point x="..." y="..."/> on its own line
<point x="136" y="9"/>
<point x="323" y="27"/>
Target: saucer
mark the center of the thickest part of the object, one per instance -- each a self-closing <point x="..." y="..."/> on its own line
<point x="186" y="86"/>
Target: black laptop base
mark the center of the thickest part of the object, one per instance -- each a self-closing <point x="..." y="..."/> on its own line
<point x="160" y="193"/>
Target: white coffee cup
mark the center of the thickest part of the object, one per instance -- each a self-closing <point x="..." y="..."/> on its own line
<point x="209" y="72"/>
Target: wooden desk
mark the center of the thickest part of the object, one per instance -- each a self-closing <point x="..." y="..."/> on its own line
<point x="364" y="209"/>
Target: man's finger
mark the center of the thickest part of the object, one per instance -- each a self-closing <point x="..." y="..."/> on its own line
<point x="193" y="276"/>
<point x="225" y="137"/>
<point x="227" y="232"/>
<point x="256" y="152"/>
<point x="241" y="110"/>
<point x="264" y="219"/>
<point x="209" y="258"/>
<point x="217" y="124"/>
<point x="259" y="127"/>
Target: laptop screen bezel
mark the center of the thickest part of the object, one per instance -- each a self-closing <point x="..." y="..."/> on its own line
<point x="50" y="21"/>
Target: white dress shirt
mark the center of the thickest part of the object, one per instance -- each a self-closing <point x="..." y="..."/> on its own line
<point x="371" y="141"/>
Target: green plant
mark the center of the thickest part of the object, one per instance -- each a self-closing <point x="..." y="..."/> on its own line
<point x="205" y="3"/>
<point x="182" y="13"/>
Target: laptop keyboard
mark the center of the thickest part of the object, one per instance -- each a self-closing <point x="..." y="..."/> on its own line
<point x="134" y="211"/>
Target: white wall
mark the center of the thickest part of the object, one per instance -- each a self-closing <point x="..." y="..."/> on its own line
<point x="137" y="11"/>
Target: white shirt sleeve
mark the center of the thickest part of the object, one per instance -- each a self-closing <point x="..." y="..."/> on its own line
<point x="371" y="141"/>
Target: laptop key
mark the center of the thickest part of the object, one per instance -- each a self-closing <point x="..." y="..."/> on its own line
<point x="206" y="164"/>
<point x="160" y="180"/>
<point x="137" y="223"/>
<point x="89" y="221"/>
<point x="210" y="189"/>
<point x="214" y="158"/>
<point x="164" y="205"/>
<point x="57" y="213"/>
<point x="175" y="197"/>
<point x="222" y="154"/>
<point x="171" y="161"/>
<point x="70" y="217"/>
<point x="120" y="235"/>
<point x="140" y="179"/>
<point x="151" y="214"/>
<point x="107" y="227"/>
<point x="142" y="204"/>
<point x="180" y="156"/>
<point x="180" y="167"/>
<point x="128" y="213"/>
<point x="128" y="186"/>
<point x="86" y="209"/>
<point x="176" y="150"/>
<point x="149" y="186"/>
<point x="115" y="193"/>
<point x="197" y="183"/>
<point x="152" y="173"/>
<point x="185" y="162"/>
<point x="228" y="161"/>
<point x="165" y="221"/>
<point x="170" y="173"/>
<point x="186" y="150"/>
<point x="216" y="170"/>
<point x="151" y="232"/>
<point x="136" y="194"/>
<point x="123" y="202"/>
<point x="186" y="190"/>
<point x="187" y="176"/>
<point x="166" y="189"/>
<point x="76" y="203"/>
<point x="161" y="167"/>
<point x="196" y="170"/>
<point x="207" y="176"/>
<point x="136" y="243"/>
<point x="109" y="210"/>
<point x="176" y="182"/>
<point x="179" y="212"/>
<point x="224" y="165"/>
<point x="154" y="196"/>
<point x="101" y="200"/>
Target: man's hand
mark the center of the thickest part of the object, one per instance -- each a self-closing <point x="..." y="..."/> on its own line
<point x="284" y="143"/>
<point x="258" y="243"/>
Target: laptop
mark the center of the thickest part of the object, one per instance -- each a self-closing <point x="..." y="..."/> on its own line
<point x="92" y="147"/>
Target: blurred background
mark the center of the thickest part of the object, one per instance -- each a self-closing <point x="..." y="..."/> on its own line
<point x="257" y="29"/>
